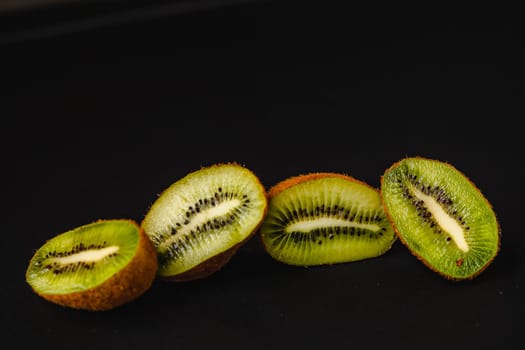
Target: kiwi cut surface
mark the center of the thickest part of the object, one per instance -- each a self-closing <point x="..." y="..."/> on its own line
<point x="97" y="266"/>
<point x="325" y="218"/>
<point x="199" y="222"/>
<point x="441" y="216"/>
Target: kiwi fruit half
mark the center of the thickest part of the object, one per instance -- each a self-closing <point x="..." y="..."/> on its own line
<point x="97" y="266"/>
<point x="325" y="218"/>
<point x="441" y="216"/>
<point x="199" y="222"/>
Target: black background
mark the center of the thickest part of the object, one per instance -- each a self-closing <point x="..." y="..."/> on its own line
<point x="97" y="121"/>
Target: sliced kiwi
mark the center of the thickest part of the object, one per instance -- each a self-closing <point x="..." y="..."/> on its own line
<point x="441" y="216"/>
<point x="97" y="266"/>
<point x="200" y="221"/>
<point x="325" y="218"/>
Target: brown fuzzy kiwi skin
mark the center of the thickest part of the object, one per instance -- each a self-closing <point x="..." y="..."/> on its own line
<point x="124" y="286"/>
<point x="295" y="180"/>
<point x="447" y="277"/>
<point x="217" y="262"/>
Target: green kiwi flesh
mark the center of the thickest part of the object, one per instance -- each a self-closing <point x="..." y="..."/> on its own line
<point x="97" y="266"/>
<point x="199" y="222"/>
<point x="441" y="216"/>
<point x="325" y="218"/>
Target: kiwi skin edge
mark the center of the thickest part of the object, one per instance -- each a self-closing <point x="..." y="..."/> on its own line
<point x="124" y="286"/>
<point x="450" y="278"/>
<point x="292" y="181"/>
